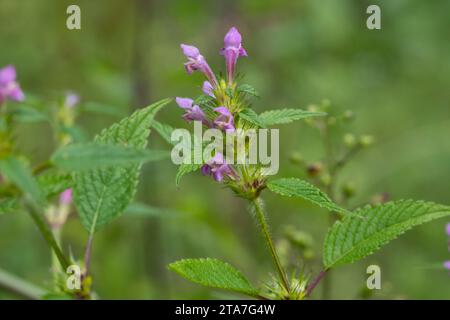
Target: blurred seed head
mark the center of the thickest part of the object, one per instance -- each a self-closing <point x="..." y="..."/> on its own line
<point x="380" y="198"/>
<point x="348" y="190"/>
<point x="366" y="140"/>
<point x="314" y="169"/>
<point x="349" y="140"/>
<point x="296" y="157"/>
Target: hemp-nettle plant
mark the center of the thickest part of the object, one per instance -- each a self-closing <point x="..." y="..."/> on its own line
<point x="352" y="236"/>
<point x="98" y="178"/>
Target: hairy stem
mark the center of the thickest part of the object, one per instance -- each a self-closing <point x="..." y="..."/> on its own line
<point x="329" y="188"/>
<point x="315" y="282"/>
<point x="20" y="287"/>
<point x="48" y="235"/>
<point x="56" y="266"/>
<point x="259" y="212"/>
<point x="87" y="253"/>
<point x="327" y="282"/>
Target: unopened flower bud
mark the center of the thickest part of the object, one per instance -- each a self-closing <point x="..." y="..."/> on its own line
<point x="296" y="157"/>
<point x="309" y="254"/>
<point x="349" y="140"/>
<point x="313" y="108"/>
<point x="349" y="115"/>
<point x="366" y="140"/>
<point x="348" y="190"/>
<point x="326" y="179"/>
<point x="332" y="121"/>
<point x="232" y="50"/>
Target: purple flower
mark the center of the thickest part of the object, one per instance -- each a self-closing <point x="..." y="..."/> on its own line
<point x="447" y="229"/>
<point x="72" y="99"/>
<point x="447" y="265"/>
<point x="197" y="62"/>
<point x="9" y="88"/>
<point x="225" y="120"/>
<point x="232" y="50"/>
<point x="65" y="197"/>
<point x="218" y="168"/>
<point x="207" y="89"/>
<point x="193" y="111"/>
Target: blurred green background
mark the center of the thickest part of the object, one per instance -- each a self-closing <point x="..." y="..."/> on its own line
<point x="396" y="81"/>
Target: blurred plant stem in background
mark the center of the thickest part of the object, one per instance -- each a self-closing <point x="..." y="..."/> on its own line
<point x="20" y="287"/>
<point x="142" y="94"/>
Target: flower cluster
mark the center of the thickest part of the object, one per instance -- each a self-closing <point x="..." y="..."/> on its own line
<point x="222" y="115"/>
<point x="9" y="88"/>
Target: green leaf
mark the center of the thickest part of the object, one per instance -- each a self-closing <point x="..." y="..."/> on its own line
<point x="250" y="116"/>
<point x="164" y="130"/>
<point x="293" y="187"/>
<point x="8" y="205"/>
<point x="286" y="116"/>
<point x="213" y="273"/>
<point x="88" y="156"/>
<point x="20" y="174"/>
<point x="248" y="89"/>
<point x="53" y="184"/>
<point x="102" y="194"/>
<point x="361" y="234"/>
<point x="184" y="169"/>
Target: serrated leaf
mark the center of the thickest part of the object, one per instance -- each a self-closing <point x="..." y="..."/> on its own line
<point x="53" y="184"/>
<point x="102" y="194"/>
<point x="88" y="156"/>
<point x="213" y="273"/>
<point x="293" y="187"/>
<point x="8" y="205"/>
<point x="164" y="130"/>
<point x="282" y="116"/>
<point x="19" y="173"/>
<point x="251" y="116"/>
<point x="184" y="169"/>
<point x="248" y="89"/>
<point x="359" y="235"/>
